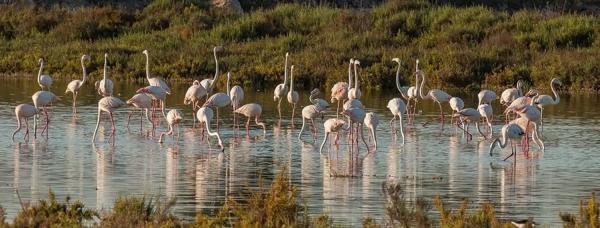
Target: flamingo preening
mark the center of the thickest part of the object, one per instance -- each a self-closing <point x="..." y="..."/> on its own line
<point x="174" y="117"/>
<point x="397" y="105"/>
<point x="252" y="110"/>
<point x="339" y="91"/>
<point x="545" y="100"/>
<point x="208" y="84"/>
<point x="292" y="95"/>
<point x="42" y="99"/>
<point x="486" y="111"/>
<point x="456" y="104"/>
<point x="105" y="86"/>
<point x="205" y="115"/>
<point x="155" y="81"/>
<point x="144" y="103"/>
<point x="281" y="89"/>
<point x="75" y="85"/>
<point x="236" y="94"/>
<point x="45" y="81"/>
<point x="438" y="96"/>
<point x="333" y="125"/>
<point x="24" y="112"/>
<point x="193" y="95"/>
<point x="108" y="104"/>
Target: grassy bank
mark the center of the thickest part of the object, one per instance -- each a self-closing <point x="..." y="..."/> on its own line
<point x="463" y="47"/>
<point x="276" y="206"/>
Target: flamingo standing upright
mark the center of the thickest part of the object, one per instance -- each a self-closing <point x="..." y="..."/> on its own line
<point x="527" y="127"/>
<point x="292" y="95"/>
<point x="355" y="93"/>
<point x="193" y="95"/>
<point x="486" y="96"/>
<point x="108" y="104"/>
<point x="533" y="116"/>
<point x="469" y="115"/>
<point x="281" y="89"/>
<point x="75" y="85"/>
<point x="545" y="100"/>
<point x="311" y="112"/>
<point x="339" y="91"/>
<point x="24" y="112"/>
<point x="356" y="116"/>
<point x="157" y="93"/>
<point x="486" y="111"/>
<point x="208" y="84"/>
<point x="219" y="100"/>
<point x="397" y="105"/>
<point x="42" y="99"/>
<point x="205" y="115"/>
<point x="45" y="81"/>
<point x="333" y="125"/>
<point x="510" y="132"/>
<point x="174" y="117"/>
<point x="371" y="121"/>
<point x="155" y="81"/>
<point x="438" y="96"/>
<point x="456" y="104"/>
<point x="510" y="94"/>
<point x="413" y="94"/>
<point x="144" y="103"/>
<point x="520" y="102"/>
<point x="252" y="110"/>
<point x="236" y="94"/>
<point x="105" y="86"/>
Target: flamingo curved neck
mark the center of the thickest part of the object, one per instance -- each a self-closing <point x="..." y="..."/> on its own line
<point x="350" y="75"/>
<point x="216" y="66"/>
<point x="398" y="81"/>
<point x="147" y="66"/>
<point x="556" y="96"/>
<point x="40" y="72"/>
<point x="421" y="87"/>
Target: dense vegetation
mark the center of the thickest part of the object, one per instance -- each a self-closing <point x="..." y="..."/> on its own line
<point x="276" y="206"/>
<point x="464" y="47"/>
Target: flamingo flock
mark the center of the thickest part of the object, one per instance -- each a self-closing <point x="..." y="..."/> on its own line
<point x="204" y="97"/>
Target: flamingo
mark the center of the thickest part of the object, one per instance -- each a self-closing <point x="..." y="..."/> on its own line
<point x="354" y="93"/>
<point x="339" y="92"/>
<point x="141" y="101"/>
<point x="510" y="132"/>
<point x="533" y="116"/>
<point x="236" y="94"/>
<point x="252" y="110"/>
<point x="456" y="104"/>
<point x="397" y="105"/>
<point x="75" y="85"/>
<point x="486" y="96"/>
<point x="41" y="99"/>
<point x="371" y="121"/>
<point x="108" y="104"/>
<point x="545" y="100"/>
<point x="45" y="81"/>
<point x="438" y="96"/>
<point x="105" y="86"/>
<point x="24" y="112"/>
<point x="157" y="93"/>
<point x="208" y="84"/>
<point x="524" y="124"/>
<point x="174" y="117"/>
<point x="333" y="125"/>
<point x="311" y="112"/>
<point x="281" y="89"/>
<point x="486" y="111"/>
<point x="155" y="81"/>
<point x="469" y="115"/>
<point x="192" y="96"/>
<point x="219" y="100"/>
<point x="520" y="102"/>
<point x="412" y="92"/>
<point x="205" y="115"/>
<point x="510" y="94"/>
<point x="292" y="95"/>
<point x="356" y="115"/>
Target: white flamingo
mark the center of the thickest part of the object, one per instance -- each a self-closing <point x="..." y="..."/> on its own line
<point x="469" y="115"/>
<point x="456" y="104"/>
<point x="174" y="117"/>
<point x="333" y="125"/>
<point x="144" y="103"/>
<point x="281" y="89"/>
<point x="520" y="102"/>
<point x="356" y="116"/>
<point x="354" y="92"/>
<point x="371" y="122"/>
<point x="510" y="132"/>
<point x="41" y="100"/>
<point x="45" y="81"/>
<point x="24" y="112"/>
<point x="157" y="93"/>
<point x="75" y="85"/>
<point x="205" y="115"/>
<point x="311" y="112"/>
<point x="105" y="86"/>
<point x="486" y="96"/>
<point x="208" y="84"/>
<point x="533" y="116"/>
<point x="510" y="94"/>
<point x="219" y="100"/>
<point x="154" y="81"/>
<point x="412" y="92"/>
<point x="486" y="111"/>
<point x="527" y="127"/>
<point x="236" y="94"/>
<point x="252" y="110"/>
<point x="545" y="100"/>
<point x="292" y="95"/>
<point x="339" y="91"/>
<point x="438" y="96"/>
<point x="193" y="95"/>
<point x="397" y="105"/>
<point x="108" y="104"/>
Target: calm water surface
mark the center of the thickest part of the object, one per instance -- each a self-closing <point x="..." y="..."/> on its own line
<point x="430" y="163"/>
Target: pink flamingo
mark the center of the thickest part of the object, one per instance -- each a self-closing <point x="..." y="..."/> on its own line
<point x="42" y="99"/>
<point x="174" y="117"/>
<point x="154" y="81"/>
<point x="209" y="84"/>
<point x="205" y="115"/>
<point x="510" y="94"/>
<point x="339" y="91"/>
<point x="193" y="95"/>
<point x="252" y="110"/>
<point x="45" y="81"/>
<point x="545" y="100"/>
<point x="236" y="94"/>
<point x="75" y="85"/>
<point x="105" y="86"/>
<point x="438" y="96"/>
<point x="397" y="105"/>
<point x="510" y="132"/>
<point x="371" y="121"/>
<point x="108" y="104"/>
<point x="292" y="95"/>
<point x="24" y="112"/>
<point x="469" y="115"/>
<point x="333" y="125"/>
<point x="143" y="102"/>
<point x="281" y="89"/>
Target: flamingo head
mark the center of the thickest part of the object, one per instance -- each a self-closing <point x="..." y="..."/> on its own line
<point x="531" y="93"/>
<point x="292" y="68"/>
<point x="218" y="48"/>
<point x="41" y="61"/>
<point x="105" y="55"/>
<point x="287" y="54"/>
<point x="351" y="61"/>
<point x="397" y="60"/>
<point x="145" y="52"/>
<point x="356" y="62"/>
<point x="556" y="81"/>
<point x="85" y="57"/>
<point x="196" y="82"/>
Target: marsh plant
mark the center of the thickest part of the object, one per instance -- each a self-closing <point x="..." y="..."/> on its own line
<point x="588" y="215"/>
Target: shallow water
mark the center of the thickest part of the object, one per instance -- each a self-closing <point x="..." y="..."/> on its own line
<point x="432" y="162"/>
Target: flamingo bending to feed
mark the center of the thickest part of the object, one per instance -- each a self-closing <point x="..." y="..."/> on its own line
<point x="193" y="95"/>
<point x="510" y="132"/>
<point x="205" y="115"/>
<point x="397" y="105"/>
<point x="486" y="96"/>
<point x="292" y="95"/>
<point x="510" y="94"/>
<point x="105" y="86"/>
<point x="456" y="104"/>
<point x="45" y="81"/>
<point x="545" y="100"/>
<point x="208" y="84"/>
<point x="354" y="92"/>
<point x="438" y="96"/>
<point x="24" y="112"/>
<point x="174" y="117"/>
<point x="155" y="81"/>
<point x="281" y="89"/>
<point x="486" y="111"/>
<point x="75" y="85"/>
<point x="42" y="99"/>
<point x="236" y="94"/>
<point x="157" y="93"/>
<point x="333" y="125"/>
<point x="469" y="115"/>
<point x="371" y="121"/>
<point x="339" y="91"/>
<point x="219" y="100"/>
<point x="524" y="124"/>
<point x="143" y="102"/>
<point x="357" y="116"/>
<point x="252" y="110"/>
<point x="108" y="104"/>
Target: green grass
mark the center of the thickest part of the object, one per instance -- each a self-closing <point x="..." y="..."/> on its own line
<point x="460" y="47"/>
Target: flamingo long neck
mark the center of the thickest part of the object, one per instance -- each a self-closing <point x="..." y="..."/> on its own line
<point x="105" y="66"/>
<point x="285" y="71"/>
<point x="211" y="133"/>
<point x="228" y="78"/>
<point x="312" y="98"/>
<point x="350" y="75"/>
<point x="40" y="72"/>
<point x="292" y="80"/>
<point x="556" y="96"/>
<point x="84" y="71"/>
<point x="216" y="66"/>
<point x="262" y="124"/>
<point x="519" y="88"/>
<point x="398" y="81"/>
<point x="147" y="66"/>
<point x="421" y="87"/>
<point x="356" y="78"/>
